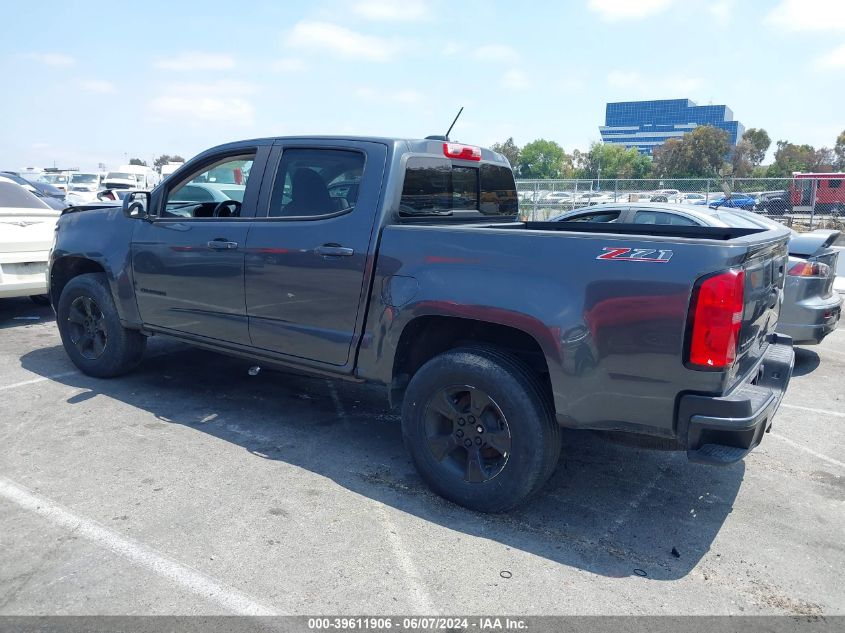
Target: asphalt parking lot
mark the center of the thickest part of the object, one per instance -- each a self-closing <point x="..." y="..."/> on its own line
<point x="190" y="487"/>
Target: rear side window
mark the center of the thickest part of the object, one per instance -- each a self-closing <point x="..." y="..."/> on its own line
<point x="434" y="186"/>
<point x="313" y="183"/>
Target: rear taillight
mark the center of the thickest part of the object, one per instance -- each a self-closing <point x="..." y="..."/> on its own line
<point x="809" y="269"/>
<point x="717" y="307"/>
<point x="462" y="152"/>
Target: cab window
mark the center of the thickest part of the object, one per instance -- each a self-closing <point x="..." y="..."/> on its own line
<point x="314" y="183"/>
<point x="213" y="191"/>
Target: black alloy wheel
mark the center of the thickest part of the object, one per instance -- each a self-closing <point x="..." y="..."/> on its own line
<point x="467" y="433"/>
<point x="87" y="327"/>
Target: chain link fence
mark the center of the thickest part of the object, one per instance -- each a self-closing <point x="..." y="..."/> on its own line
<point x="803" y="203"/>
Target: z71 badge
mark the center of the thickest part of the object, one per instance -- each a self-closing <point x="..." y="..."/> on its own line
<point x="636" y="255"/>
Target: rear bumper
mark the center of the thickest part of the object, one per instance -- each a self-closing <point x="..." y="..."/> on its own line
<point x="810" y="321"/>
<point x="23" y="274"/>
<point x="722" y="430"/>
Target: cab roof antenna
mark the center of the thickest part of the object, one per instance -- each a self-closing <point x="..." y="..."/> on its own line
<point x="446" y="137"/>
<point x="453" y="122"/>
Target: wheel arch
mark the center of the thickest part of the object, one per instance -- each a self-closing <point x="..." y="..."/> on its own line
<point x="427" y="336"/>
<point x="66" y="268"/>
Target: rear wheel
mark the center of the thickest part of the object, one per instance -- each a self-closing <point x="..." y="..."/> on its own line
<point x="91" y="332"/>
<point x="480" y="428"/>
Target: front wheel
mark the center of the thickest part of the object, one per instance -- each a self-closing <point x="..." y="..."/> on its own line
<point x="91" y="332"/>
<point x="480" y="428"/>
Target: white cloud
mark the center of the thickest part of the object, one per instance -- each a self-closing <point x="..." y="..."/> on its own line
<point x="402" y="97"/>
<point x="634" y="84"/>
<point x="98" y="86"/>
<point x="808" y="15"/>
<point x="197" y="103"/>
<point x="232" y="110"/>
<point x="392" y="10"/>
<point x="52" y="59"/>
<point x="623" y="79"/>
<point x="343" y="42"/>
<point x="495" y="53"/>
<point x="196" y="60"/>
<point x="515" y="80"/>
<point x="721" y="10"/>
<point x="288" y="65"/>
<point x="832" y="60"/>
<point x="613" y="10"/>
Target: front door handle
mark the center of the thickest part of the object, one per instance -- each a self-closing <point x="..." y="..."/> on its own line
<point x="334" y="250"/>
<point x="222" y="245"/>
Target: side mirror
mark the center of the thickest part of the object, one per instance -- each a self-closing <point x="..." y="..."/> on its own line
<point x="136" y="205"/>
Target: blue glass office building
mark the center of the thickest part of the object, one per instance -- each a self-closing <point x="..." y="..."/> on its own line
<point x="646" y="124"/>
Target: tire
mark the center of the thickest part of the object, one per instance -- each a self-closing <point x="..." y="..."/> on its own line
<point x="518" y="446"/>
<point x="40" y="300"/>
<point x="91" y="331"/>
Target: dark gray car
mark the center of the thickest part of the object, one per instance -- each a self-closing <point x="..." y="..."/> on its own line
<point x="811" y="307"/>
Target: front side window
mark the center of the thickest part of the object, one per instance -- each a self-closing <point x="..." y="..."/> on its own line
<point x="316" y="182"/>
<point x="213" y="191"/>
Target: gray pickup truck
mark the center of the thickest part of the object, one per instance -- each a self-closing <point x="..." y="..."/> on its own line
<point x="402" y="263"/>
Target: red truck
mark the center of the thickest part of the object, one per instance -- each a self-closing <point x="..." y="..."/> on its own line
<point x="824" y="191"/>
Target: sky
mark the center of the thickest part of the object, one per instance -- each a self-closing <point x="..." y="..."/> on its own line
<point x="99" y="82"/>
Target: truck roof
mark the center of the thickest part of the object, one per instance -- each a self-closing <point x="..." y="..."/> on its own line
<point x="412" y="145"/>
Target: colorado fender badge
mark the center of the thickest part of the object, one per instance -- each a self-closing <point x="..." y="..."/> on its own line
<point x="636" y="255"/>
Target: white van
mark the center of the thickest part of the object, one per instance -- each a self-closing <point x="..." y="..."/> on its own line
<point x="169" y="168"/>
<point x="131" y="177"/>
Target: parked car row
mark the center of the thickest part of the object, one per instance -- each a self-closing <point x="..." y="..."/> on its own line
<point x="811" y="306"/>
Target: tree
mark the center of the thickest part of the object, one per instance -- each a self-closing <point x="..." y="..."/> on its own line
<point x="839" y="150"/>
<point x="699" y="154"/>
<point x="790" y="158"/>
<point x="137" y="161"/>
<point x="509" y="150"/>
<point x="543" y="159"/>
<point x="759" y="142"/>
<point x="615" y="161"/>
<point x="742" y="158"/>
<point x="162" y="160"/>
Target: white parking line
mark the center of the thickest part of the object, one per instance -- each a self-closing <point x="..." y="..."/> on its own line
<point x="191" y="579"/>
<point x="829" y="460"/>
<point x="421" y="601"/>
<point x="836" y="414"/>
<point x="36" y="380"/>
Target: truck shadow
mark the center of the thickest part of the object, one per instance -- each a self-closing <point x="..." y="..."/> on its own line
<point x="21" y="311"/>
<point x="806" y="361"/>
<point x="609" y="509"/>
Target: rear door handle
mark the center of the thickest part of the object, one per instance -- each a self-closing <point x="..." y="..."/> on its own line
<point x="334" y="250"/>
<point x="222" y="245"/>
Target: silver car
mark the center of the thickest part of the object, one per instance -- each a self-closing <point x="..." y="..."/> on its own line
<point x="811" y="307"/>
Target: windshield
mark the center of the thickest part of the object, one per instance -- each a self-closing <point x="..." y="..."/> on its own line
<point x="120" y="175"/>
<point x="84" y="179"/>
<point x="53" y="179"/>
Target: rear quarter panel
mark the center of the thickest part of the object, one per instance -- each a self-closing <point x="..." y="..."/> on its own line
<point x="612" y="331"/>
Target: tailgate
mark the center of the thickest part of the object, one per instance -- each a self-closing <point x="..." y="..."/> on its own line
<point x="765" y="273"/>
